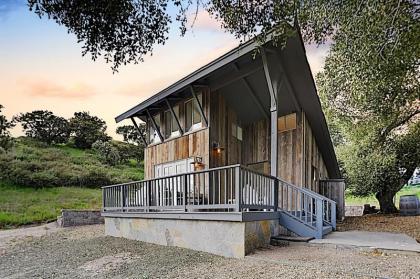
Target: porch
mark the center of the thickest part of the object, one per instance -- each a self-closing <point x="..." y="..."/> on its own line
<point x="226" y="199"/>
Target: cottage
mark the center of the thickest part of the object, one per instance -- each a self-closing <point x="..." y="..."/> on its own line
<point x="237" y="151"/>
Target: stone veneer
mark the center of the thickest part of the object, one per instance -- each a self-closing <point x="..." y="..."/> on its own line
<point x="72" y="217"/>
<point x="225" y="238"/>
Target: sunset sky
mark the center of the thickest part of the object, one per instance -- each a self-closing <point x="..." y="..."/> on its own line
<point x="41" y="66"/>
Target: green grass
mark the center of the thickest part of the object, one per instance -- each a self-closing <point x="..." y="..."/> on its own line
<point x="352" y="200"/>
<point x="22" y="206"/>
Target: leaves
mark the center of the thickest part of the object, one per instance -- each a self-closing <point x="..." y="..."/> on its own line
<point x="44" y="126"/>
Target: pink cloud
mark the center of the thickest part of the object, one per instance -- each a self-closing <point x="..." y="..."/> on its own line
<point x="50" y="89"/>
<point x="203" y="21"/>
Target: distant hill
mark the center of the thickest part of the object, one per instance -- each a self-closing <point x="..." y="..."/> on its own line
<point x="34" y="164"/>
<point x="37" y="180"/>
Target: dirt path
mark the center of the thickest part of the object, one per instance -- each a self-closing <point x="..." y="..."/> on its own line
<point x="84" y="252"/>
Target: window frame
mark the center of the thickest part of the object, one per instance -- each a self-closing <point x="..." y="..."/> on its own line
<point x="194" y="109"/>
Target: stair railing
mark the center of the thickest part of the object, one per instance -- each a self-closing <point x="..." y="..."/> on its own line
<point x="308" y="207"/>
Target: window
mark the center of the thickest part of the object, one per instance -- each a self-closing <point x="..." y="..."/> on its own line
<point x="171" y="127"/>
<point x="287" y="122"/>
<point x="192" y="114"/>
<point x="237" y="131"/>
<point x="153" y="134"/>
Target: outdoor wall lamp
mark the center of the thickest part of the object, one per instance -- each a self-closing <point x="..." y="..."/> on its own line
<point x="217" y="147"/>
<point x="197" y="162"/>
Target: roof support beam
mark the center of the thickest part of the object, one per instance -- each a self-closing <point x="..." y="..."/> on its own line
<point x="171" y="109"/>
<point x="273" y="109"/>
<point x="199" y="106"/>
<point x="139" y="131"/>
<point x="155" y="126"/>
<point x="252" y="94"/>
<point x="244" y="72"/>
<point x="290" y="89"/>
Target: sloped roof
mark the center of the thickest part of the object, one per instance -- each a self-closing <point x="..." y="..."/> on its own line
<point x="296" y="67"/>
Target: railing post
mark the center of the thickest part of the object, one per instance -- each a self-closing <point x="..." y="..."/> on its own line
<point x="333" y="216"/>
<point x="237" y="189"/>
<point x="184" y="194"/>
<point x="103" y="199"/>
<point x="319" y="218"/>
<point x="148" y="195"/>
<point x="276" y="194"/>
<point x="122" y="197"/>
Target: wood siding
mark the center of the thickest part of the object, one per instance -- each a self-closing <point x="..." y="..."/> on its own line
<point x="221" y="121"/>
<point x="191" y="144"/>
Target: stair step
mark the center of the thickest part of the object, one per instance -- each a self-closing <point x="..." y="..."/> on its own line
<point x="292" y="238"/>
<point x="277" y="242"/>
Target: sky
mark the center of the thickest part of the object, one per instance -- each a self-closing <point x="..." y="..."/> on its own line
<point x="42" y="68"/>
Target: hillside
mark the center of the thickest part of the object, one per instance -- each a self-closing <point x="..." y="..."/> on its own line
<point x="37" y="180"/>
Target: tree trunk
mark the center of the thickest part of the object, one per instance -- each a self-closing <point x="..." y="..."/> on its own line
<point x="386" y="202"/>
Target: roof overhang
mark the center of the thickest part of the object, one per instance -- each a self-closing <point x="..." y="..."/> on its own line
<point x="295" y="67"/>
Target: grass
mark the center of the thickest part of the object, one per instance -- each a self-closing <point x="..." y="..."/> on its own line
<point x="353" y="200"/>
<point x="23" y="206"/>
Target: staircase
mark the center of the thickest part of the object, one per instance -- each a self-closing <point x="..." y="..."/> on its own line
<point x="305" y="212"/>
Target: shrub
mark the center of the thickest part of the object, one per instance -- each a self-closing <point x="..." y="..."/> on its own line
<point x="108" y="153"/>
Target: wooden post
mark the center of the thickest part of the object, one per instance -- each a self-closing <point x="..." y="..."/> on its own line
<point x="273" y="109"/>
<point x="276" y="194"/>
<point x="238" y="189"/>
<point x="319" y="218"/>
<point x="333" y="216"/>
<point x="184" y="195"/>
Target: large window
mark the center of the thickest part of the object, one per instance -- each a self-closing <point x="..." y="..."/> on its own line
<point x="171" y="127"/>
<point x="192" y="114"/>
<point x="153" y="134"/>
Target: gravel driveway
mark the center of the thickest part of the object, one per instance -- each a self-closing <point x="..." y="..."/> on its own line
<point x="84" y="252"/>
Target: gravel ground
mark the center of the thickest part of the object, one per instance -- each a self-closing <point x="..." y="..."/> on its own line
<point x="84" y="252"/>
<point x="383" y="223"/>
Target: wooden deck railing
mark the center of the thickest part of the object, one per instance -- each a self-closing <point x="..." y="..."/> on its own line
<point x="218" y="189"/>
<point x="215" y="189"/>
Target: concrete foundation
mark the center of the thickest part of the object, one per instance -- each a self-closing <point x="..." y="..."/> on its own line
<point x="225" y="238"/>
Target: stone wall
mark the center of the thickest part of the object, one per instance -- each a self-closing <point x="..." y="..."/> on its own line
<point x="354" y="210"/>
<point x="225" y="238"/>
<point x="70" y="217"/>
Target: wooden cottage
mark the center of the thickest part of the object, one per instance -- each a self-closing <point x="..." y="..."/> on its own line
<point x="241" y="140"/>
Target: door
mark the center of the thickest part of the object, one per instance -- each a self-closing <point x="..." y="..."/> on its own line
<point x="168" y="192"/>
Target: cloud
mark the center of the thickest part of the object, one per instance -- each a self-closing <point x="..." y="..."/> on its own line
<point x="50" y="89"/>
<point x="203" y="22"/>
<point x="316" y="56"/>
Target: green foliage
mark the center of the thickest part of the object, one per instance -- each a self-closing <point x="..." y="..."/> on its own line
<point x="32" y="164"/>
<point x="131" y="134"/>
<point x="6" y="140"/>
<point x="370" y="89"/>
<point x="129" y="151"/>
<point x="43" y="125"/>
<point x="86" y="129"/>
<point x="21" y="206"/>
<point x="108" y="153"/>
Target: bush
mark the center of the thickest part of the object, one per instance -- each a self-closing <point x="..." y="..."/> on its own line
<point x="34" y="164"/>
<point x="108" y="153"/>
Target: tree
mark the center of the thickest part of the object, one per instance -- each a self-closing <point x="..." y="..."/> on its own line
<point x="131" y="134"/>
<point x="370" y="90"/>
<point x="44" y="126"/>
<point x="5" y="125"/>
<point x="86" y="129"/>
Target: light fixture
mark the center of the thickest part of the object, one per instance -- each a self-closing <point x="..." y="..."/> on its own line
<point x="197" y="162"/>
<point x="217" y="147"/>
